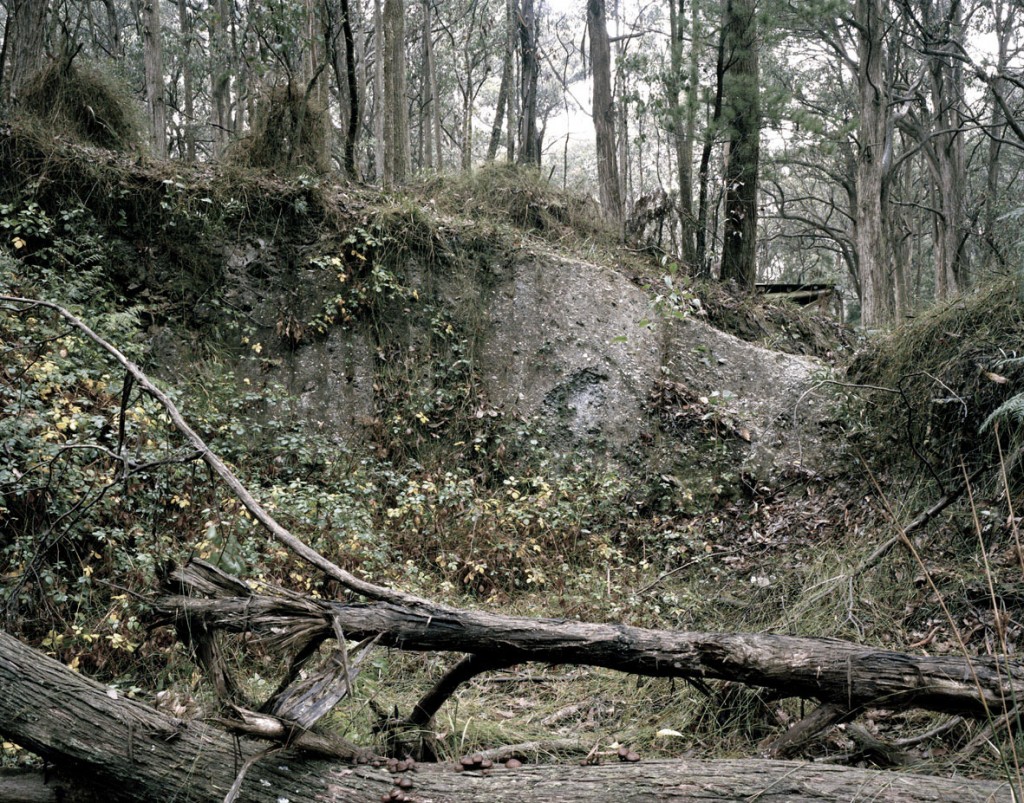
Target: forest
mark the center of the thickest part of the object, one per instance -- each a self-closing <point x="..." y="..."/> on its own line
<point x="511" y="400"/>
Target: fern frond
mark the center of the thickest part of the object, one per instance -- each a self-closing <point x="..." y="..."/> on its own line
<point x="1010" y="410"/>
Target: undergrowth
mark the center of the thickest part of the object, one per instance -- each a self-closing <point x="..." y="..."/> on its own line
<point x="453" y="497"/>
<point x="940" y="379"/>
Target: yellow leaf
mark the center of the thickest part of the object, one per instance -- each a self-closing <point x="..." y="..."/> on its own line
<point x="18" y="243"/>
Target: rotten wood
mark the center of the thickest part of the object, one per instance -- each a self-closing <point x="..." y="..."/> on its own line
<point x="123" y="750"/>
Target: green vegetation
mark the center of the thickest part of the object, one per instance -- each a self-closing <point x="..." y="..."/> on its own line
<point x="443" y="492"/>
<point x="951" y="377"/>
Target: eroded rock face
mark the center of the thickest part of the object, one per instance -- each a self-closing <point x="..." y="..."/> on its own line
<point x="569" y="343"/>
<point x="566" y="342"/>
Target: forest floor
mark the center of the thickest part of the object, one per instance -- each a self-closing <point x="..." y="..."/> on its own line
<point x="752" y="497"/>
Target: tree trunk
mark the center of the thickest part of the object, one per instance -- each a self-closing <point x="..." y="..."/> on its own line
<point x="529" y="144"/>
<point x="503" y="89"/>
<point x="396" y="110"/>
<point x="1004" y="26"/>
<point x="106" y="747"/>
<point x="604" y="113"/>
<point x="704" y="172"/>
<point x="188" y="89"/>
<point x="684" y="124"/>
<point x="829" y="670"/>
<point x="156" y="104"/>
<point x="24" y="39"/>
<point x="946" y="144"/>
<point x="428" y="88"/>
<point x="878" y="292"/>
<point x="220" y="77"/>
<point x="378" y="91"/>
<point x="341" y="46"/>
<point x="742" y="119"/>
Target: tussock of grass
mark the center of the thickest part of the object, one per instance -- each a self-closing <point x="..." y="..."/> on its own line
<point x="83" y="103"/>
<point x="950" y="369"/>
<point x="288" y="135"/>
<point x="519" y="196"/>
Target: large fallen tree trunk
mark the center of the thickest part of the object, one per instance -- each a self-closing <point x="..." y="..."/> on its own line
<point x="104" y="746"/>
<point x="825" y="669"/>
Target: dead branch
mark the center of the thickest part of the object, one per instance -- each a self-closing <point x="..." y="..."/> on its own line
<point x="829" y="670"/>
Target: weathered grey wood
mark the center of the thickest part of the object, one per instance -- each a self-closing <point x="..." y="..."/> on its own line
<point x="17" y="786"/>
<point x="129" y="752"/>
<point x="829" y="670"/>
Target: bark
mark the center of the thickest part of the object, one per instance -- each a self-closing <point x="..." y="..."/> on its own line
<point x="604" y="113"/>
<point x="378" y="90"/>
<point x="396" y="110"/>
<point x="742" y="118"/>
<point x="704" y="172"/>
<point x="529" y="72"/>
<point x="684" y="124"/>
<point x="1005" y="25"/>
<point x="188" y="90"/>
<point x="829" y="670"/>
<point x="156" y="103"/>
<point x="341" y="45"/>
<point x="430" y="117"/>
<point x="104" y="746"/>
<point x="23" y="50"/>
<point x="946" y="146"/>
<point x="503" y="91"/>
<point x="878" y="292"/>
<point x="220" y="77"/>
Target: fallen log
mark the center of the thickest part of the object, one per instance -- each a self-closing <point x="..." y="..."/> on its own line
<point x="104" y="746"/>
<point x="824" y="669"/>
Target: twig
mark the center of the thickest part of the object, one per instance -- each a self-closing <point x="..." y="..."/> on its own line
<point x="236" y="787"/>
<point x="818" y="721"/>
<point x="987" y="733"/>
<point x="464" y="670"/>
<point x="938" y="730"/>
<point x="884" y="548"/>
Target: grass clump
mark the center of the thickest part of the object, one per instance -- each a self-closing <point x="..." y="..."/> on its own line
<point x="517" y="195"/>
<point x="84" y="103"/>
<point x="289" y="133"/>
<point x="941" y="377"/>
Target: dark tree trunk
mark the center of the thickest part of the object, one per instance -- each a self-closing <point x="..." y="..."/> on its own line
<point x="23" y="50"/>
<point x="529" y="142"/>
<point x="742" y="118"/>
